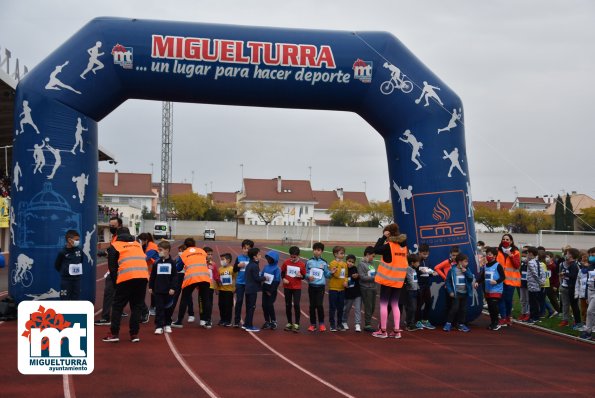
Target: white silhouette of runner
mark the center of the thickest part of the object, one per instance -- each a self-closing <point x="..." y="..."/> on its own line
<point x="78" y="135"/>
<point x="94" y="63"/>
<point x="24" y="263"/>
<point x="27" y="119"/>
<point x="403" y="194"/>
<point x="57" y="162"/>
<point x="52" y="293"/>
<point x="454" y="161"/>
<point x="81" y="181"/>
<point x="12" y="222"/>
<point x="415" y="145"/>
<point x="16" y="176"/>
<point x="428" y="92"/>
<point x="39" y="157"/>
<point x="87" y="245"/>
<point x="55" y="83"/>
<point x="452" y="123"/>
<point x="469" y="200"/>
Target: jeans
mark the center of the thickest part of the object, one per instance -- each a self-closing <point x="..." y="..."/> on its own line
<point x="132" y="291"/>
<point x="250" y="307"/>
<point x="225" y="306"/>
<point x="268" y="305"/>
<point x="240" y="289"/>
<point x="292" y="298"/>
<point x="506" y="302"/>
<point x="553" y="298"/>
<point x="458" y="309"/>
<point x="336" y="302"/>
<point x="316" y="295"/>
<point x="590" y="322"/>
<point x="568" y="301"/>
<point x="369" y="301"/>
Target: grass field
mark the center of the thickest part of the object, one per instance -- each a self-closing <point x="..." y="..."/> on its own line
<point x="358" y="251"/>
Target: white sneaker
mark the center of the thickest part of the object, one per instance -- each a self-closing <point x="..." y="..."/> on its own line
<point x="159" y="331"/>
<point x="190" y="319"/>
<point x="358" y="328"/>
<point x="345" y="326"/>
<point x="202" y="323"/>
<point x="167" y="329"/>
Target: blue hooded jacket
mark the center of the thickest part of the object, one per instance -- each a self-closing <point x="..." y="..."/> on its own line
<point x="272" y="269"/>
<point x="451" y="283"/>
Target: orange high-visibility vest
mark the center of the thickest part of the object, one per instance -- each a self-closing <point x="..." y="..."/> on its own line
<point x="513" y="275"/>
<point x="151" y="246"/>
<point x="131" y="263"/>
<point x="195" y="266"/>
<point x="393" y="274"/>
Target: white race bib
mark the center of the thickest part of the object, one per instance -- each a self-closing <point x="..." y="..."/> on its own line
<point x="292" y="271"/>
<point x="75" y="269"/>
<point x="268" y="278"/>
<point x="226" y="280"/>
<point x="460" y="280"/>
<point x="163" y="269"/>
<point x="372" y="273"/>
<point x="564" y="282"/>
<point x="317" y="273"/>
<point x="548" y="274"/>
<point x="350" y="282"/>
<point x="414" y="277"/>
<point x="243" y="269"/>
<point x="210" y="274"/>
<point x="523" y="275"/>
<point x="489" y="275"/>
<point x="342" y="273"/>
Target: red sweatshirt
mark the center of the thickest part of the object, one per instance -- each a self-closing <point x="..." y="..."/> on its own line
<point x="443" y="268"/>
<point x="294" y="283"/>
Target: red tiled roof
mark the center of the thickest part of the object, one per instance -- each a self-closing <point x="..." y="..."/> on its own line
<point x="175" y="188"/>
<point x="327" y="198"/>
<point x="580" y="202"/>
<point x="128" y="184"/>
<point x="358" y="197"/>
<point x="492" y="204"/>
<point x="537" y="200"/>
<point x="224" y="197"/>
<point x="266" y="190"/>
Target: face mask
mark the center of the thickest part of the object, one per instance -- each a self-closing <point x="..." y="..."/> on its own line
<point x="75" y="243"/>
<point x="505" y="244"/>
<point x="162" y="254"/>
<point x="489" y="259"/>
<point x="547" y="259"/>
<point x="223" y="263"/>
<point x="113" y="230"/>
<point x="524" y="258"/>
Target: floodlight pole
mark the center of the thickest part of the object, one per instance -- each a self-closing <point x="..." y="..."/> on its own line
<point x="167" y="134"/>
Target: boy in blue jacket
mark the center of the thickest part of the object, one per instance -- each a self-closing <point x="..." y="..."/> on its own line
<point x="272" y="275"/>
<point x="317" y="272"/>
<point x="162" y="285"/>
<point x="459" y="284"/>
<point x="253" y="282"/>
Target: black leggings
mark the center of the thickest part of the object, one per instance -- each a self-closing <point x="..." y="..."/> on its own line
<point x="493" y="308"/>
<point x="316" y="295"/>
<point x="292" y="298"/>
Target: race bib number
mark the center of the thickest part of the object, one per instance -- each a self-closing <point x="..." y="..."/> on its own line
<point x="523" y="275"/>
<point x="372" y="273"/>
<point x="268" y="278"/>
<point x="350" y="282"/>
<point x="243" y="269"/>
<point x="211" y="274"/>
<point x="460" y="280"/>
<point x="317" y="273"/>
<point x="292" y="271"/>
<point x="490" y="275"/>
<point x="414" y="277"/>
<point x="564" y="282"/>
<point x="342" y="273"/>
<point x="75" y="269"/>
<point x="548" y="274"/>
<point x="592" y="276"/>
<point x="163" y="269"/>
<point x="226" y="280"/>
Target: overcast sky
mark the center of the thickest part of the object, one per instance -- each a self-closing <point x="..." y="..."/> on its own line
<point x="525" y="71"/>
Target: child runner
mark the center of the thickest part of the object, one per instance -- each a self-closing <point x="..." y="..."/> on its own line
<point x="317" y="272"/>
<point x="253" y="286"/>
<point x="459" y="284"/>
<point x="535" y="282"/>
<point x="239" y="268"/>
<point x="412" y="288"/>
<point x="336" y="289"/>
<point x="367" y="272"/>
<point x="590" y="322"/>
<point x="162" y="285"/>
<point x="293" y="271"/>
<point x="272" y="275"/>
<point x="492" y="275"/>
<point x="353" y="296"/>
<point x="214" y="276"/>
<point x="69" y="263"/>
<point x="226" y="288"/>
<point x="425" y="294"/>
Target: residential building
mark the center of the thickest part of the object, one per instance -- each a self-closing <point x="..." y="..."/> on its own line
<point x="325" y="199"/>
<point x="529" y="203"/>
<point x="579" y="202"/>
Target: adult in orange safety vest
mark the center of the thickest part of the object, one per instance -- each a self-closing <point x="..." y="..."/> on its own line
<point x="126" y="261"/>
<point x="193" y="261"/>
<point x="509" y="257"/>
<point x="390" y="275"/>
<point x="110" y="284"/>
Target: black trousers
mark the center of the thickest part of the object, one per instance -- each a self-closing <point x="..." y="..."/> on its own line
<point x="70" y="289"/>
<point x="133" y="292"/>
<point x="250" y="307"/>
<point x="316" y="295"/>
<point x="268" y="305"/>
<point x="225" y="306"/>
<point x="292" y="299"/>
<point x="412" y="296"/>
<point x="162" y="315"/>
<point x="203" y="295"/>
<point x="240" y="289"/>
<point x="494" y="309"/>
<point x="424" y="300"/>
<point x="458" y="309"/>
<point x="108" y="298"/>
<point x="534" y="308"/>
<point x="209" y="303"/>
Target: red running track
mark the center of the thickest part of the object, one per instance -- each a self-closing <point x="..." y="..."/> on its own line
<point x="225" y="362"/>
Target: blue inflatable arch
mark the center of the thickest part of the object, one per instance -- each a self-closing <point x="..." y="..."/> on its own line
<point x="59" y="103"/>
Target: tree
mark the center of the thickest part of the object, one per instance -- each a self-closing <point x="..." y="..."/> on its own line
<point x="267" y="212"/>
<point x="491" y="218"/>
<point x="569" y="215"/>
<point x="587" y="220"/>
<point x="380" y="213"/>
<point x="519" y="221"/>
<point x="559" y="224"/>
<point x="189" y="206"/>
<point x="538" y="221"/>
<point x="146" y="214"/>
<point x="345" y="213"/>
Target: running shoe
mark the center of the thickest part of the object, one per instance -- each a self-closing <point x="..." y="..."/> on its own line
<point x="419" y="325"/>
<point x="322" y="328"/>
<point x="266" y="326"/>
<point x="208" y="325"/>
<point x="464" y="328"/>
<point x="395" y="334"/>
<point x="167" y="329"/>
<point x="288" y="327"/>
<point x="152" y="311"/>
<point x="577" y="326"/>
<point x="110" y="338"/>
<point x="177" y="324"/>
<point x="369" y="329"/>
<point x="159" y="331"/>
<point x="381" y="334"/>
<point x="191" y="319"/>
<point x="134" y="338"/>
<point x="358" y="328"/>
<point x="103" y="322"/>
<point x="563" y="324"/>
<point x="201" y="323"/>
<point x="311" y="328"/>
<point x="252" y="329"/>
<point x="447" y="327"/>
<point x="494" y="327"/>
<point x="333" y="328"/>
<point x="345" y="325"/>
<point x="296" y="328"/>
<point x="273" y="325"/>
<point x="427" y="325"/>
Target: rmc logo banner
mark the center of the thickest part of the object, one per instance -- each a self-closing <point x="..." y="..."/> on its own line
<point x="55" y="337"/>
<point x="59" y="104"/>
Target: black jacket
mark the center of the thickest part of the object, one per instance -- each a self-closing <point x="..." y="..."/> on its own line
<point x="66" y="257"/>
<point x="162" y="283"/>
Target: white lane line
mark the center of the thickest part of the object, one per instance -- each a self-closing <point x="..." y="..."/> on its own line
<point x="295" y="365"/>
<point x="187" y="368"/>
<point x="68" y="387"/>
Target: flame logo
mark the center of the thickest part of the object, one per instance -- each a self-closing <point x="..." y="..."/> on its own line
<point x="441" y="212"/>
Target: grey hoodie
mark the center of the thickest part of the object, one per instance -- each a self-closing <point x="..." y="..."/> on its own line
<point x="363" y="269"/>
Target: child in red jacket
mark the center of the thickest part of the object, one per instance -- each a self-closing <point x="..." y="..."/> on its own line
<point x="292" y="273"/>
